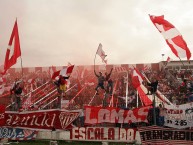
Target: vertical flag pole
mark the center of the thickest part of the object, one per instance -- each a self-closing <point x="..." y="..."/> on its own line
<point x="127" y="91"/>
<point x="137" y="99"/>
<point x="21" y="67"/>
<point x="94" y="59"/>
<point x="181" y="62"/>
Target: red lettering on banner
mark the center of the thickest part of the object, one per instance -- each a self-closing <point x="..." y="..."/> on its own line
<point x="103" y="137"/>
<point x="130" y="134"/>
<point x="103" y="134"/>
<point x="122" y="134"/>
<point x="90" y="130"/>
<point x="111" y="134"/>
<point x="75" y="133"/>
<point x="98" y="134"/>
<point x="82" y="134"/>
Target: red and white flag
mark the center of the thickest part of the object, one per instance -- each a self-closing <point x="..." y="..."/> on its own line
<point x="101" y="53"/>
<point x="172" y="37"/>
<point x="12" y="53"/>
<point x="64" y="72"/>
<point x="137" y="78"/>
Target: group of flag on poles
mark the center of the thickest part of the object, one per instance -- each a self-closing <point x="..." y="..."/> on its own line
<point x="171" y="35"/>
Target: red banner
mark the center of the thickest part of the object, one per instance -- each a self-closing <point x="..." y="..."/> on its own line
<point x="2" y="115"/>
<point x="94" y="115"/>
<point x="103" y="134"/>
<point x="44" y="119"/>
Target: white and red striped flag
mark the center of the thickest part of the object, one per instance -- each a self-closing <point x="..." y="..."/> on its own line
<point x="172" y="37"/>
<point x="64" y="72"/>
<point x="137" y="78"/>
<point x="101" y="53"/>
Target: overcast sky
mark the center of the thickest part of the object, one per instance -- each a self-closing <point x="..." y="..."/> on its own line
<point x="55" y="32"/>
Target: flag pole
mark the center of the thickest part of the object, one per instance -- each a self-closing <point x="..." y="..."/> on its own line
<point x="95" y="58"/>
<point x="181" y="62"/>
<point x="127" y="91"/>
<point x="137" y="99"/>
<point x="21" y="67"/>
<point x="20" y="56"/>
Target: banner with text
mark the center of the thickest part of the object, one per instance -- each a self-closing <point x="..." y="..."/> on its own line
<point x="154" y="135"/>
<point x="179" y="116"/>
<point x="2" y="115"/>
<point x="94" y="115"/>
<point x="44" y="119"/>
<point x="17" y="133"/>
<point x="103" y="134"/>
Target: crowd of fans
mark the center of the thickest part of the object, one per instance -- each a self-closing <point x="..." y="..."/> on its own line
<point x="177" y="86"/>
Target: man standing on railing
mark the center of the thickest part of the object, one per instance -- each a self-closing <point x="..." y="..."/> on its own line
<point x="62" y="87"/>
<point x="101" y="80"/>
<point x="17" y="91"/>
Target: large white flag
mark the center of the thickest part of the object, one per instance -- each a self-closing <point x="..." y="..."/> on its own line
<point x="101" y="53"/>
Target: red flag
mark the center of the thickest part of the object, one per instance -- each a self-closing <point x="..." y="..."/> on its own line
<point x="11" y="59"/>
<point x="137" y="78"/>
<point x="64" y="72"/>
<point x="101" y="53"/>
<point x="172" y="37"/>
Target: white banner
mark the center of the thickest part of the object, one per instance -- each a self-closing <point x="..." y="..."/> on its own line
<point x="180" y="116"/>
<point x="103" y="134"/>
